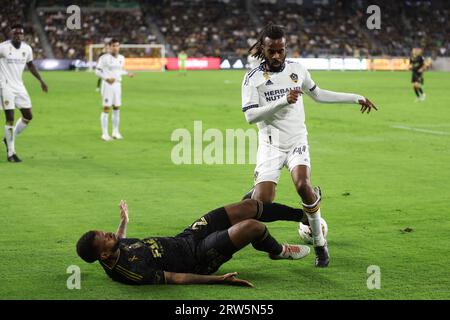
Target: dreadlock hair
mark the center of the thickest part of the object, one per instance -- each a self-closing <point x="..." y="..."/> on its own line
<point x="272" y="31"/>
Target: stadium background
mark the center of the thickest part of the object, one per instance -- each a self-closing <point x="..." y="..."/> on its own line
<point x="384" y="176"/>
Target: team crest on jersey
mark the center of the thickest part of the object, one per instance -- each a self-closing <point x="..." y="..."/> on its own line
<point x="266" y="75"/>
<point x="23" y="54"/>
<point x="294" y="77"/>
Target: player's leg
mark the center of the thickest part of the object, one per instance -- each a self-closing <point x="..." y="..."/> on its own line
<point x="104" y="120"/>
<point x="107" y="99"/>
<point x="299" y="165"/>
<point x="422" y="93"/>
<point x="9" y="103"/>
<point x="311" y="206"/>
<point x="117" y="103"/>
<point x="22" y="123"/>
<point x="264" y="212"/>
<point x="115" y="121"/>
<point x="224" y="217"/>
<point x="9" y="139"/>
<point x="256" y="233"/>
<point x="218" y="247"/>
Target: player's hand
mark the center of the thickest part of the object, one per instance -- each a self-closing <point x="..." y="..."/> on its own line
<point x="366" y="105"/>
<point x="131" y="75"/>
<point x="123" y="211"/>
<point x="293" y="95"/>
<point x="230" y="278"/>
<point x="110" y="80"/>
<point x="44" y="86"/>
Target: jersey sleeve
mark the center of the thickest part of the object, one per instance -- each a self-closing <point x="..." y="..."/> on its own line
<point x="308" y="83"/>
<point x="250" y="97"/>
<point x="30" y="55"/>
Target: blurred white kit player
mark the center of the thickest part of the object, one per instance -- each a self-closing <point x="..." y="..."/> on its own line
<point x="14" y="56"/>
<point x="110" y="68"/>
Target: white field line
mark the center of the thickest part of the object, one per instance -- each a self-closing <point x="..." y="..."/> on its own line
<point x="441" y="133"/>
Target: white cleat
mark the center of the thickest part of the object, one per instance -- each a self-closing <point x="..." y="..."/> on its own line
<point x="106" y="137"/>
<point x="292" y="252"/>
<point x="422" y="97"/>
<point x="117" y="136"/>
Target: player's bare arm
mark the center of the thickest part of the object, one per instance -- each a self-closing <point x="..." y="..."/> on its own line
<point x="190" y="278"/>
<point x="36" y="74"/>
<point x="121" y="232"/>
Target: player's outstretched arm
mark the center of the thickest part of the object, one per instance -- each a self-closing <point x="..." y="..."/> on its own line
<point x="36" y="74"/>
<point x="122" y="229"/>
<point x="190" y="278"/>
<point x="327" y="96"/>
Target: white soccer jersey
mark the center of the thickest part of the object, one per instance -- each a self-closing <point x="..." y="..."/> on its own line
<point x="12" y="64"/>
<point x="285" y="128"/>
<point x="109" y="66"/>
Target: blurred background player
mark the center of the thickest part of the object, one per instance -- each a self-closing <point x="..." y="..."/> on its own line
<point x="182" y="58"/>
<point x="110" y="69"/>
<point x="272" y="98"/>
<point x="418" y="65"/>
<point x="193" y="255"/>
<point x="14" y="55"/>
<point x="105" y="50"/>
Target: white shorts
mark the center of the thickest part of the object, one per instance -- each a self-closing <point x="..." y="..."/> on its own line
<point x="111" y="94"/>
<point x="270" y="161"/>
<point x="10" y="99"/>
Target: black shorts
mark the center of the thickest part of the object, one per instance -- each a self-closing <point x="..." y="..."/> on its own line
<point x="417" y="77"/>
<point x="209" y="240"/>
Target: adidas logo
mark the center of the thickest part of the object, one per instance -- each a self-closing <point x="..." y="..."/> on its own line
<point x="268" y="83"/>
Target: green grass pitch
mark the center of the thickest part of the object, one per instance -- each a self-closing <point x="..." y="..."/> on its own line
<point x="380" y="173"/>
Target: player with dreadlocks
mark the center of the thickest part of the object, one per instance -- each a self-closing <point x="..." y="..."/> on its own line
<point x="272" y="97"/>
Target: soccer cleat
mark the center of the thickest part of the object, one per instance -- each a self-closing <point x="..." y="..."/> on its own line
<point x="117" y="136"/>
<point x="322" y="256"/>
<point x="292" y="252"/>
<point x="106" y="137"/>
<point x="422" y="97"/>
<point x="249" y="194"/>
<point x="14" y="158"/>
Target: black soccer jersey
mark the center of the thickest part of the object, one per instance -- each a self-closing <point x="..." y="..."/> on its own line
<point x="417" y="63"/>
<point x="144" y="261"/>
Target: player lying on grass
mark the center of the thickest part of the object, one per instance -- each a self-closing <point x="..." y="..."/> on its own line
<point x="193" y="255"/>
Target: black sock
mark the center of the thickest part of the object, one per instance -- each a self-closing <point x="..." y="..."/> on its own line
<point x="420" y="91"/>
<point x="267" y="243"/>
<point x="269" y="212"/>
<point x="417" y="92"/>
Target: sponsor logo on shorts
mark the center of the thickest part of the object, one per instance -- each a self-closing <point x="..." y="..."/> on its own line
<point x="6" y="102"/>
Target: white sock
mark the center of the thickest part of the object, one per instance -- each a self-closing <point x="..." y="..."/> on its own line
<point x="104" y="122"/>
<point x="116" y="120"/>
<point x="316" y="228"/>
<point x="20" y="126"/>
<point x="9" y="136"/>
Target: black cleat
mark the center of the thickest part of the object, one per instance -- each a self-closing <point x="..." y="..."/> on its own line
<point x="249" y="194"/>
<point x="14" y="158"/>
<point x="322" y="256"/>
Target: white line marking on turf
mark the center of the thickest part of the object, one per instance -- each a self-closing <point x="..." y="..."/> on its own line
<point x="442" y="133"/>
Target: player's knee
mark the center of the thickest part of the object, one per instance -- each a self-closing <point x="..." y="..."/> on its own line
<point x="303" y="186"/>
<point x="253" y="227"/>
<point x="249" y="205"/>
